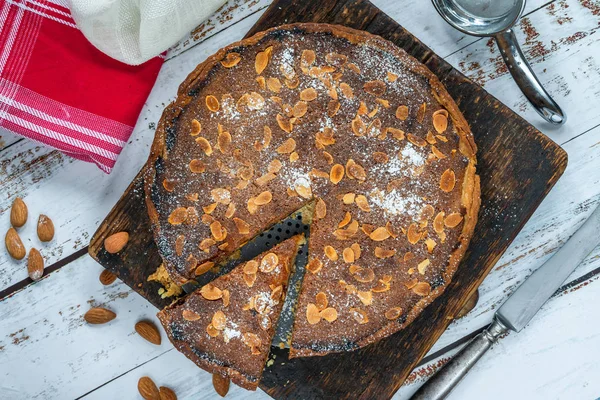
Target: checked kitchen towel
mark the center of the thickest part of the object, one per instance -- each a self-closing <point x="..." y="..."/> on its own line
<point x="58" y="89"/>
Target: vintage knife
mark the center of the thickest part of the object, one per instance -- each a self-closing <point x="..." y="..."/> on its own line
<point x="518" y="309"/>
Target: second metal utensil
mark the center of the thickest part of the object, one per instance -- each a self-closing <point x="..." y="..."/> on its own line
<point x="495" y="18"/>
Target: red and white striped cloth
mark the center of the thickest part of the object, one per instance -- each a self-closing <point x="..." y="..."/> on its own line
<point x="58" y="89"/>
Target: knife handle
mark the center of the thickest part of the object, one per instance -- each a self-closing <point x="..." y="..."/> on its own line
<point x="442" y="383"/>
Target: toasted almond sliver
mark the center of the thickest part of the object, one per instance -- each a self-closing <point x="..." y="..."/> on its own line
<point x="230" y="210"/>
<point x="197" y="166"/>
<point x="329" y="314"/>
<point x="397" y="133"/>
<point x="437" y="153"/>
<point x="211" y="292"/>
<point x="170" y="185"/>
<point x="287" y="147"/>
<point x="447" y="181"/>
<point x="346" y="90"/>
<point x="452" y="220"/>
<point x="440" y="123"/>
<point x="190" y="315"/>
<point x="204" y="145"/>
<point x="262" y="59"/>
<point x="336" y="174"/>
<point x="333" y="107"/>
<point x="284" y="123"/>
<point x="416" y="140"/>
<point x="356" y="171"/>
<point x="292" y="83"/>
<point x="321" y="301"/>
<point x="376" y="88"/>
<point x="393" y="313"/>
<point x="349" y="198"/>
<point x="312" y="314"/>
<point x="300" y="109"/>
<point x="251" y="267"/>
<point x="274" y="84"/>
<point x="356" y="249"/>
<point x="269" y="262"/>
<point x="216" y="229"/>
<point x="221" y="195"/>
<point x="196" y="128"/>
<point x="364" y="275"/>
<point x="231" y="60"/>
<point x="358" y="126"/>
<point x="412" y="234"/>
<point x="402" y="113"/>
<point x="362" y="203"/>
<point x="263" y="180"/>
<point x="262" y="83"/>
<point x="320" y="209"/>
<point x="219" y="320"/>
<point x="421" y="113"/>
<point x="422" y="288"/>
<point x="359" y="315"/>
<point x="210" y="208"/>
<point x="379" y="234"/>
<point x="331" y="253"/>
<point x="392" y="77"/>
<point x="422" y="266"/>
<point x="346" y="220"/>
<point x="249" y="279"/>
<point x="384" y="253"/>
<point x="430" y="243"/>
<point x="304" y="191"/>
<point x="206" y="244"/>
<point x="178" y="216"/>
<point x="314" y="265"/>
<point x="438" y="222"/>
<point x="224" y="141"/>
<point x="204" y="268"/>
<point x="365" y="297"/>
<point x="212" y="103"/>
<point x="307" y="59"/>
<point x="348" y="255"/>
<point x="263" y="198"/>
<point x="308" y="94"/>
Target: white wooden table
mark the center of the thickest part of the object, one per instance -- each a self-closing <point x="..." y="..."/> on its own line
<point x="48" y="352"/>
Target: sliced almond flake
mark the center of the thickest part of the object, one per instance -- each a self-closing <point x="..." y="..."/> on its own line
<point x="336" y="59"/>
<point x="346" y="90"/>
<point x="230" y="210"/>
<point x="251" y="267"/>
<point x="422" y="289"/>
<point x="438" y="222"/>
<point x="262" y="83"/>
<point x="263" y="198"/>
<point x="396" y="133"/>
<point x="242" y="226"/>
<point x="332" y="92"/>
<point x="300" y="109"/>
<point x="393" y="313"/>
<point x="308" y="94"/>
<point x="336" y="174"/>
<point x="383" y="102"/>
<point x="358" y="126"/>
<point x="204" y="268"/>
<point x="178" y="216"/>
<point x="221" y="195"/>
<point x="249" y="279"/>
<point x="333" y="107"/>
<point x="440" y="123"/>
<point x="170" y="185"/>
<point x="274" y="166"/>
<point x="346" y="220"/>
<point x="212" y="331"/>
<point x="381" y="287"/>
<point x="364" y="275"/>
<point x="442" y="138"/>
<point x="359" y="315"/>
<point x="312" y="314"/>
<point x="430" y="138"/>
<point x="356" y="171"/>
<point x="422" y="266"/>
<point x="447" y="181"/>
<point x="284" y="123"/>
<point x="206" y="244"/>
<point x="262" y="59"/>
<point x="207" y="219"/>
<point x="348" y="255"/>
<point x="304" y="191"/>
<point x="269" y="262"/>
<point x="417" y="141"/>
<point x="452" y="220"/>
<point x="329" y="314"/>
<point x="367" y="229"/>
<point x="212" y="103"/>
<point x="274" y="84"/>
<point x="192" y="196"/>
<point x="384" y="253"/>
<point x="190" y="315"/>
<point x="318" y="174"/>
<point x="179" y="243"/>
<point x="307" y="59"/>
<point x="408" y="256"/>
<point x="430" y="243"/>
<point x="223" y="246"/>
<point x="376" y="88"/>
<point x="204" y="145"/>
<point x="354" y="68"/>
<point x="225" y="297"/>
<point x="196" y="128"/>
<point x="320" y="209"/>
<point x="362" y="109"/>
<point x="402" y="112"/>
<point x="211" y="292"/>
<point x="438" y="154"/>
<point x="321" y="301"/>
<point x="356" y="249"/>
<point x="412" y="283"/>
<point x="363" y="203"/>
<point x="292" y="83"/>
<point x="349" y="198"/>
<point x="314" y="265"/>
<point x="263" y="180"/>
<point x="328" y="158"/>
<point x="365" y="297"/>
<point x="287" y="147"/>
<point x="330" y="253"/>
<point x="371" y="115"/>
<point x="224" y="141"/>
<point x="392" y="77"/>
<point x="413" y="234"/>
<point x="379" y="234"/>
<point x="197" y="166"/>
<point x="231" y="60"/>
<point x="391" y="229"/>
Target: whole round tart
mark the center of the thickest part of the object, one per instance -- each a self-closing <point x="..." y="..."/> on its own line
<point x="334" y="117"/>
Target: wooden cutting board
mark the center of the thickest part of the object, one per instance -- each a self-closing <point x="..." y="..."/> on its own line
<point x="518" y="165"/>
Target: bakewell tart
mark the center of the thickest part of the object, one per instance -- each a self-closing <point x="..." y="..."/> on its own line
<point x="323" y="114"/>
<point x="226" y="327"/>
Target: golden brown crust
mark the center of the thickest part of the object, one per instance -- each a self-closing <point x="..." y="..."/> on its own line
<point x="470" y="185"/>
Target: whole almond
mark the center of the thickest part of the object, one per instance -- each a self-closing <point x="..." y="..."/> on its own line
<point x="14" y="245"/>
<point x="18" y="213"/>
<point x="221" y="384"/>
<point x="107" y="277"/>
<point x="115" y="242"/>
<point x="148" y="331"/>
<point x="45" y="228"/>
<point x="148" y="389"/>
<point x="167" y="393"/>
<point x="99" y="315"/>
<point x="35" y="264"/>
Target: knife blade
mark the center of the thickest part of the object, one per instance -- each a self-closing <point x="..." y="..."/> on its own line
<point x="518" y="309"/>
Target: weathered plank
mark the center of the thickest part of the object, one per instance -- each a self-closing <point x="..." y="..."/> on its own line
<point x="562" y="44"/>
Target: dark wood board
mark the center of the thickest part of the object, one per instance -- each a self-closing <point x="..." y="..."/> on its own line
<point x="518" y="165"/>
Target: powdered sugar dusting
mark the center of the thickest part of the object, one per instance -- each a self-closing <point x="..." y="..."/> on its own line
<point x="396" y="203"/>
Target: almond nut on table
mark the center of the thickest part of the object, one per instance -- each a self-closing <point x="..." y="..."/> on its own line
<point x="14" y="245"/>
<point x="99" y="315"/>
<point x="148" y="331"/>
<point x="116" y="242"/>
<point x="18" y="213"/>
<point x="221" y="384"/>
<point x="45" y="228"/>
<point x="35" y="264"/>
<point x="148" y="389"/>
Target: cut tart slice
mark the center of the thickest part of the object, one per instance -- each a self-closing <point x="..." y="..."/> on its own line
<point x="226" y="327"/>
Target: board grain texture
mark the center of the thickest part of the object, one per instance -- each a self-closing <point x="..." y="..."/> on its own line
<point x="518" y="165"/>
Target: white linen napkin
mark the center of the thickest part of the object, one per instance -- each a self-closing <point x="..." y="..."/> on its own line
<point x="134" y="31"/>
